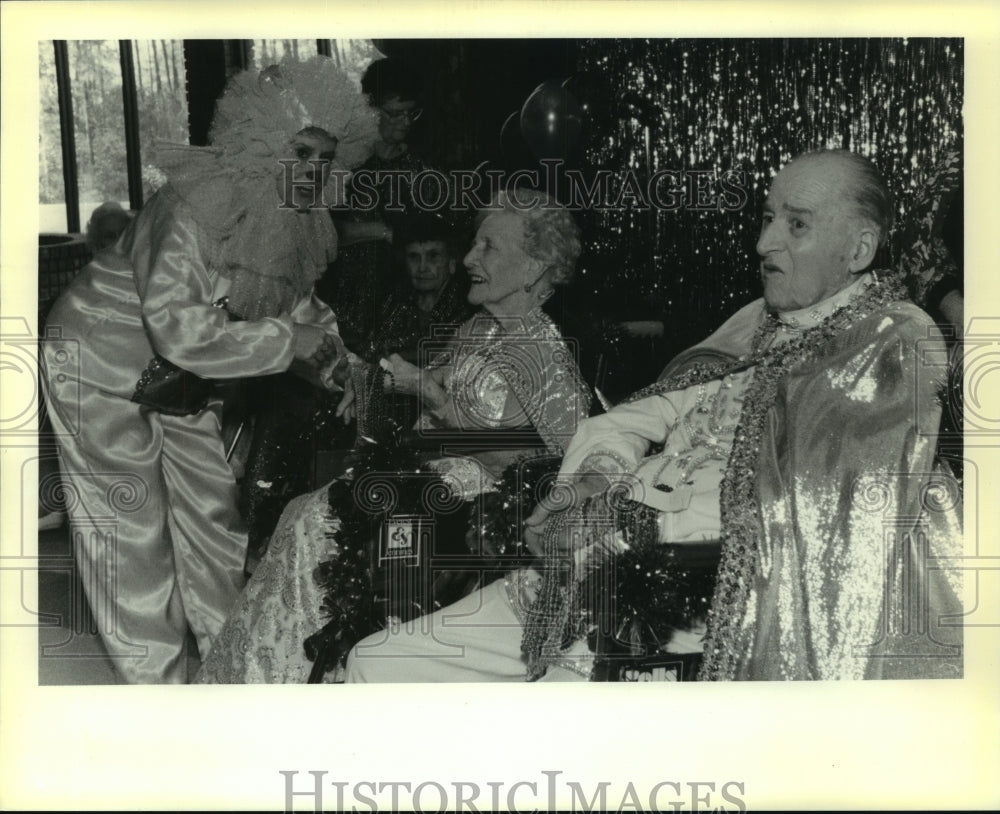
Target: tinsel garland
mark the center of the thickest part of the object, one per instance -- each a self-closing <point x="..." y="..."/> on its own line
<point x="654" y="591"/>
<point x="627" y="597"/>
<point x="740" y="512"/>
<point x="347" y="580"/>
<point x="560" y="614"/>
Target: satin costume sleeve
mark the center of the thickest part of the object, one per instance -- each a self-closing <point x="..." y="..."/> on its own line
<point x="857" y="525"/>
<point x="176" y="292"/>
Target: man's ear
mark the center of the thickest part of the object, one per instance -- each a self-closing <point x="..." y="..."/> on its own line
<point x="865" y="247"/>
<point x="452" y="265"/>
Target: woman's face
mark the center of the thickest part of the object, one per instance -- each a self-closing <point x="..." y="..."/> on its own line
<point x="302" y="185"/>
<point x="499" y="268"/>
<point x="395" y="117"/>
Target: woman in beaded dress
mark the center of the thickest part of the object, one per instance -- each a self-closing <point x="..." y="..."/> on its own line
<point x="506" y="368"/>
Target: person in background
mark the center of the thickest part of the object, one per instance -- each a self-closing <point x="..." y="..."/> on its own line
<point x="106" y="225"/>
<point x="363" y="275"/>
<point x="297" y="420"/>
<point x="797" y="443"/>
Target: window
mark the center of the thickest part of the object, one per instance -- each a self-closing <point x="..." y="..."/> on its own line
<point x="270" y="52"/>
<point x="112" y="88"/>
<point x="104" y="104"/>
<point x="160" y="100"/>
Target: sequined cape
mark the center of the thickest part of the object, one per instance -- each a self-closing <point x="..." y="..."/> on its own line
<point x="840" y="529"/>
<point x="850" y="573"/>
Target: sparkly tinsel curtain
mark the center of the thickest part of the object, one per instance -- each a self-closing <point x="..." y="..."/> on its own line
<point x="746" y="105"/>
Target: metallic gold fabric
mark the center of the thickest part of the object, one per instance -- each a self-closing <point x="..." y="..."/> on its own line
<point x="263" y="639"/>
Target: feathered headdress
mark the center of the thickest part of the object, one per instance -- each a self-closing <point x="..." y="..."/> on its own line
<point x="273" y="256"/>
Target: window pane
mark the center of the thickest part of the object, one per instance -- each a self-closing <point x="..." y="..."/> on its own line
<point x="354" y="56"/>
<point x="161" y="100"/>
<point x="96" y="81"/>
<point x="51" y="191"/>
<point x="270" y="52"/>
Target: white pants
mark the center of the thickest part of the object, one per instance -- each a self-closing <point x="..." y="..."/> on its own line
<point x="156" y="532"/>
<point x="476" y="639"/>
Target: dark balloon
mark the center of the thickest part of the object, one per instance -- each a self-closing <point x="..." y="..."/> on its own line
<point x="551" y="121"/>
<point x="593" y="93"/>
<point x="511" y="142"/>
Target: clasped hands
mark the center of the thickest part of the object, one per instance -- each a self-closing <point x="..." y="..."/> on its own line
<point x="401" y="376"/>
<point x="314" y="350"/>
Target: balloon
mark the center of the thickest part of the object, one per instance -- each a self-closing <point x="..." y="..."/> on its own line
<point x="593" y="93"/>
<point x="550" y="121"/>
<point x="511" y="143"/>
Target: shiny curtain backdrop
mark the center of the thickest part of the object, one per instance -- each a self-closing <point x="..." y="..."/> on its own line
<point x="746" y="105"/>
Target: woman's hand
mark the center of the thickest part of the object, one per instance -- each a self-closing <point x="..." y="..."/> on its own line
<point x="346" y="408"/>
<point x="409" y="379"/>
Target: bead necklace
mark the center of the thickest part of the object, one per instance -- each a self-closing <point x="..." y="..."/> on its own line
<point x="555" y="617"/>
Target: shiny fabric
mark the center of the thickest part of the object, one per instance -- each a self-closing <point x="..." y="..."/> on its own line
<point x="151" y="498"/>
<point x="263" y="639"/>
<point x="855" y="574"/>
<point x="853" y="577"/>
<point x="858" y="524"/>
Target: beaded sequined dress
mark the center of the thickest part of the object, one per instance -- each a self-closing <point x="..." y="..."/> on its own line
<point x="499" y="374"/>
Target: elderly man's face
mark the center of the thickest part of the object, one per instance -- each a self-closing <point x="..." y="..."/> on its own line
<point x="499" y="268"/>
<point x="808" y="240"/>
<point x="429" y="265"/>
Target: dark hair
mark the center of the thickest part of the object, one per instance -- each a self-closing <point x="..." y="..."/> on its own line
<point x="391" y="78"/>
<point x="426" y="228"/>
<point x="869" y="193"/>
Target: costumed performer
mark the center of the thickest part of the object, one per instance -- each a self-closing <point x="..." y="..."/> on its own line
<point x="213" y="280"/>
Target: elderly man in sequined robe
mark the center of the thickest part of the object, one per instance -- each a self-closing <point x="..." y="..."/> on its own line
<point x="799" y="438"/>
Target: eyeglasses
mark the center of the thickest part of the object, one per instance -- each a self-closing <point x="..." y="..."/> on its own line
<point x="399" y="115"/>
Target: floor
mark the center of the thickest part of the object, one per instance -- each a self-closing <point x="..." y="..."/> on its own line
<point x="70" y="651"/>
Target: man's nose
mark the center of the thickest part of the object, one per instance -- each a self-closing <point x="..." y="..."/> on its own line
<point x="470" y="258"/>
<point x="769" y="239"/>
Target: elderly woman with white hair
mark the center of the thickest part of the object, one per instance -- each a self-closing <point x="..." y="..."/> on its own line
<point x="506" y="368"/>
<point x="212" y="280"/>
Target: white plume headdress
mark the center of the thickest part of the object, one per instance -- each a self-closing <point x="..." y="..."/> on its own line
<point x="272" y="255"/>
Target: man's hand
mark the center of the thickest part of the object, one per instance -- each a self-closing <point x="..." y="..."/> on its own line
<point x="564" y="496"/>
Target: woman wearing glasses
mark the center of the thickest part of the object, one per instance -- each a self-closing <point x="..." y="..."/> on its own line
<point x="358" y="286"/>
<point x="365" y="273"/>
